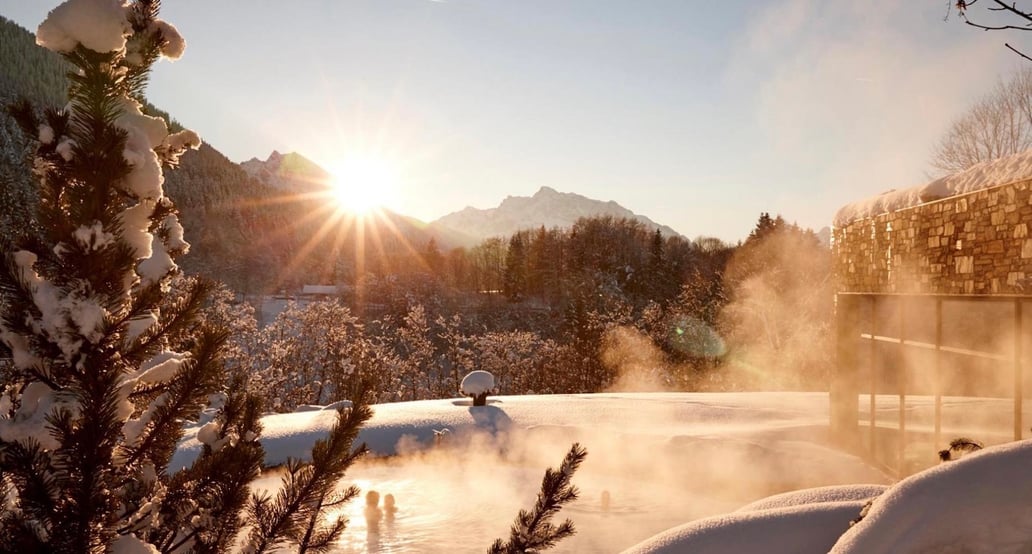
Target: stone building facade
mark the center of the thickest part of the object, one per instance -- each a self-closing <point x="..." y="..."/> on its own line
<point x="975" y="243"/>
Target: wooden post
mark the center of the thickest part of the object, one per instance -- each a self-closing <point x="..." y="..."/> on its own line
<point x="901" y="384"/>
<point x="1019" y="377"/>
<point x="874" y="372"/>
<point x="938" y="372"/>
<point x="844" y="393"/>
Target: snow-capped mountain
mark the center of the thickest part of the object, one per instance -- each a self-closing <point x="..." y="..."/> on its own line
<point x="288" y="172"/>
<point x="548" y="207"/>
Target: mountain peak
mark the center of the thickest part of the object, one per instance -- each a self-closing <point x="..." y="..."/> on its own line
<point x="290" y="171"/>
<point x="548" y="207"/>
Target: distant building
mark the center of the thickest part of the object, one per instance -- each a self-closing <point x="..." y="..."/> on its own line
<point x="934" y="301"/>
<point x="312" y="292"/>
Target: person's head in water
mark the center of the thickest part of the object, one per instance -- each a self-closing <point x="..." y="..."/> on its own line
<point x="388" y="503"/>
<point x="372" y="498"/>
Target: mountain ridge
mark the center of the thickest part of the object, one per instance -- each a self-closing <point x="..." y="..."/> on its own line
<point x="291" y="172"/>
<point x="547" y="207"/>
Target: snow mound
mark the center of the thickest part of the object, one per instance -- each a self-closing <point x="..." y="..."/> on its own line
<point x="477" y="382"/>
<point x="812" y="528"/>
<point x="1017" y="167"/>
<point x="100" y="25"/>
<point x="818" y="495"/>
<point x="129" y="544"/>
<point x="979" y="504"/>
<point x="319" y="407"/>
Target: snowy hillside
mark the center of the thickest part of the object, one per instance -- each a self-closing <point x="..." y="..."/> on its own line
<point x="547" y="207"/>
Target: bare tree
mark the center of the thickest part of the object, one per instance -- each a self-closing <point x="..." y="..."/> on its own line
<point x="999" y="124"/>
<point x="1005" y="16"/>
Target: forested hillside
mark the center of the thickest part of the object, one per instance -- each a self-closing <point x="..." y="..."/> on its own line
<point x="604" y="302"/>
<point x="215" y="196"/>
<point x="246" y="232"/>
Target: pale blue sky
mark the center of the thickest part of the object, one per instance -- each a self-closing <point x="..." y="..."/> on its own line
<point x="697" y="114"/>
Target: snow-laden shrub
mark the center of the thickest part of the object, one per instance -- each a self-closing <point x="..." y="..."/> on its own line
<point x="477" y="385"/>
<point x="316" y="355"/>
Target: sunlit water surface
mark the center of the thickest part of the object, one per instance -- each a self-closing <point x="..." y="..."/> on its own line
<point x="438" y="513"/>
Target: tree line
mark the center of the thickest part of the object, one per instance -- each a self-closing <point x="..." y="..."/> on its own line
<point x="563" y="314"/>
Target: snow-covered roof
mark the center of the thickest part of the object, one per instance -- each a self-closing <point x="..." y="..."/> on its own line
<point x="319" y="289"/>
<point x="1002" y="171"/>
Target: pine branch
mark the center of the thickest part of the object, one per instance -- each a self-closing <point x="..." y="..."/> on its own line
<point x="27" y="468"/>
<point x="286" y="519"/>
<point x="216" y="484"/>
<point x="199" y="377"/>
<point x="533" y="531"/>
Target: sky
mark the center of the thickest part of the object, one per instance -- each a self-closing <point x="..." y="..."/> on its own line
<point x="699" y="115"/>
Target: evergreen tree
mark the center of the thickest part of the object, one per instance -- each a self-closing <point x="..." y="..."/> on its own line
<point x="95" y="399"/>
<point x="765" y="225"/>
<point x="515" y="269"/>
<point x="433" y="258"/>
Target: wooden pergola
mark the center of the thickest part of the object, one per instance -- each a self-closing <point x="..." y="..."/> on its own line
<point x="896" y="348"/>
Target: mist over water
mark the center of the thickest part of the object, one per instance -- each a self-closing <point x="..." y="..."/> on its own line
<point x="663" y="460"/>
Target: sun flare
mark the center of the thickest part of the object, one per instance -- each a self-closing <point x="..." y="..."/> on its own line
<point x="363" y="184"/>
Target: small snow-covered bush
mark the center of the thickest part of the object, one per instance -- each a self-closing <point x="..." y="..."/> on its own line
<point x="477" y="385"/>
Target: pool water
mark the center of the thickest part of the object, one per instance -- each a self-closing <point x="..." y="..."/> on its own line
<point x="441" y="509"/>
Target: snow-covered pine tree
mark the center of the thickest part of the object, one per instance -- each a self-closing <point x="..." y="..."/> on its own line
<point x="96" y="402"/>
<point x="533" y="530"/>
<point x="94" y="399"/>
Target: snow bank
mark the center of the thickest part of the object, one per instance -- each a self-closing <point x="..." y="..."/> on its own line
<point x="979" y="504"/>
<point x="1005" y="170"/>
<point x="802" y="529"/>
<point x="745" y="426"/>
<point x="818" y="495"/>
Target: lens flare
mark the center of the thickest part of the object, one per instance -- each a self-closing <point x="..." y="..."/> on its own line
<point x="363" y="184"/>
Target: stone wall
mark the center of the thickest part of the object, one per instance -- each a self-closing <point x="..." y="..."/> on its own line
<point x="976" y="243"/>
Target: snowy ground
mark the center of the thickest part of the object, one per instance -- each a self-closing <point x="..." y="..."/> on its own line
<point x="664" y="460"/>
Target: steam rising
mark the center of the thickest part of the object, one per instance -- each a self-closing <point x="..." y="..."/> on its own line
<point x="639" y="365"/>
<point x="775" y="331"/>
<point x="660" y="459"/>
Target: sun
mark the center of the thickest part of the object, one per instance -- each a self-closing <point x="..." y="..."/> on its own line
<point x="363" y="184"/>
